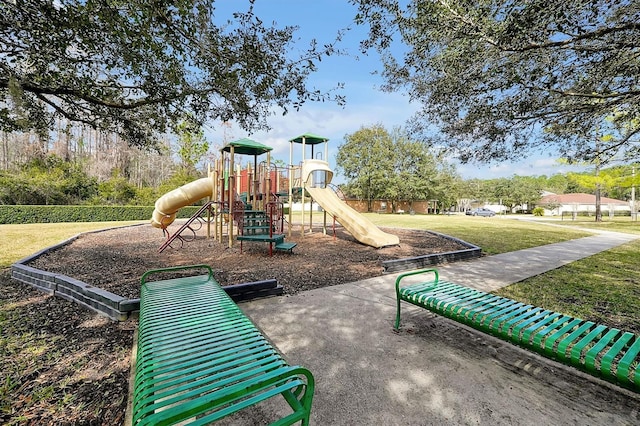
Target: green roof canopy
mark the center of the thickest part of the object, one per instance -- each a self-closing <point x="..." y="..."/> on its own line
<point x="309" y="138"/>
<point x="247" y="146"/>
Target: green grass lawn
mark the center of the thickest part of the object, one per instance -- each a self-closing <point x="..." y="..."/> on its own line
<point x="604" y="288"/>
<point x="617" y="224"/>
<point x="493" y="234"/>
<point x="19" y="241"/>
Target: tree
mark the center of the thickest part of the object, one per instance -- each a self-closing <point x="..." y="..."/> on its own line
<point x="615" y="182"/>
<point x="625" y="181"/>
<point x="134" y="67"/>
<point x="517" y="191"/>
<point x="475" y="190"/>
<point x="366" y="159"/>
<point x="557" y="183"/>
<point x="445" y="186"/>
<point x="503" y="78"/>
<point x="47" y="180"/>
<point x="413" y="173"/>
<point x="391" y="166"/>
<point x="192" y="145"/>
<point x="502" y="192"/>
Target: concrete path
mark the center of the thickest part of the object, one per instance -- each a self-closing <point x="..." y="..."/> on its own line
<point x="434" y="371"/>
<point x="493" y="272"/>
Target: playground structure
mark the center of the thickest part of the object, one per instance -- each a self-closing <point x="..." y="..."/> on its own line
<point x="247" y="204"/>
<point x="241" y="204"/>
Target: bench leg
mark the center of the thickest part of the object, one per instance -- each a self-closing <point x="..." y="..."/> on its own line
<point x="397" y="324"/>
<point x="407" y="274"/>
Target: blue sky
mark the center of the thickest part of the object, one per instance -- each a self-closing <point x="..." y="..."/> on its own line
<point x="366" y="104"/>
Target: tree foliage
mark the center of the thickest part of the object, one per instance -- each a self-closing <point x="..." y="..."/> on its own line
<point x="134" y="67"/>
<point x="516" y="191"/>
<point x="614" y="182"/>
<point x="501" y="78"/>
<point x="413" y="172"/>
<point x="47" y="180"/>
<point x="366" y="160"/>
<point x="192" y="145"/>
<point x="391" y="166"/>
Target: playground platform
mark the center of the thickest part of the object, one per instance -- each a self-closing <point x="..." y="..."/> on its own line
<point x="435" y="371"/>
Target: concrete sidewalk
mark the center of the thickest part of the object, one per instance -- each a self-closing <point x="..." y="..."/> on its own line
<point x="493" y="272"/>
<point x="435" y="371"/>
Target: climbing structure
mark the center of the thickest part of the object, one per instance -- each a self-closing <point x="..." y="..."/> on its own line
<point x="242" y="205"/>
<point x="247" y="205"/>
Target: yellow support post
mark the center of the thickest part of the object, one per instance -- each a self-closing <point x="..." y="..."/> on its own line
<point x="230" y="196"/>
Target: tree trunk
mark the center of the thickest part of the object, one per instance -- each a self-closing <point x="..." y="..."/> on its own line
<point x="5" y="151"/>
<point x="598" y="203"/>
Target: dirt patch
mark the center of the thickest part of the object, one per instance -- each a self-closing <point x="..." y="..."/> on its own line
<point x="61" y="364"/>
<point x="64" y="365"/>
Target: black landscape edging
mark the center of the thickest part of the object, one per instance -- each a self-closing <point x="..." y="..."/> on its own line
<point x="104" y="302"/>
<point x="119" y="308"/>
<point x="418" y="262"/>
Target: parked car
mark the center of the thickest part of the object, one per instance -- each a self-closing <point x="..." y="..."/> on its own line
<point x="481" y="211"/>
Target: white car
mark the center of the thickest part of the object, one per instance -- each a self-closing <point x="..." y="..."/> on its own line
<point x="480" y="211"/>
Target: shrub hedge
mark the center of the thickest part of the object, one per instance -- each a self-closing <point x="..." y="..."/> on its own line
<point x="10" y="214"/>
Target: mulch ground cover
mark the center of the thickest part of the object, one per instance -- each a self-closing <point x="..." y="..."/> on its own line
<point x="115" y="260"/>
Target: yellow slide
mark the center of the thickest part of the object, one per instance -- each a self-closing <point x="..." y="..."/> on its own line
<point x="359" y="226"/>
<point x="168" y="205"/>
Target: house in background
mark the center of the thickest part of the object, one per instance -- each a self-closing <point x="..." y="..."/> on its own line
<point x="579" y="203"/>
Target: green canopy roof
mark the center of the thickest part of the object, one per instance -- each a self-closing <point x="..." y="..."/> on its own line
<point x="247" y="146"/>
<point x="309" y="138"/>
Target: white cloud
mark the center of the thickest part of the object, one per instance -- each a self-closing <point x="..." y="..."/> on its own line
<point x="325" y="119"/>
<point x="546" y="162"/>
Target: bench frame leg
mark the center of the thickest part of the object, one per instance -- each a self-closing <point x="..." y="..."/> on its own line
<point x="408" y="274"/>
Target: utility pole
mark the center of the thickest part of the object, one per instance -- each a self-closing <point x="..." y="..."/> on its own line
<point x="598" y="206"/>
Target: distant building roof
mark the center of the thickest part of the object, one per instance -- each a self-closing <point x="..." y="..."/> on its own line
<point x="578" y="198"/>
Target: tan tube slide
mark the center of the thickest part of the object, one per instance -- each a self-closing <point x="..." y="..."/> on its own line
<point x="359" y="226"/>
<point x="168" y="205"/>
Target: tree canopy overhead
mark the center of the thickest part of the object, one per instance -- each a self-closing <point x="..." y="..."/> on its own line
<point x="134" y="67"/>
<point x="502" y="77"/>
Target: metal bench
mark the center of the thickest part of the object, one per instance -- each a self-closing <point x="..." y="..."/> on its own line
<point x="604" y="352"/>
<point x="199" y="358"/>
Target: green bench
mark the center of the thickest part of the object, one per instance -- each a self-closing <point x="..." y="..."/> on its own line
<point x="199" y="358"/>
<point x="604" y="352"/>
